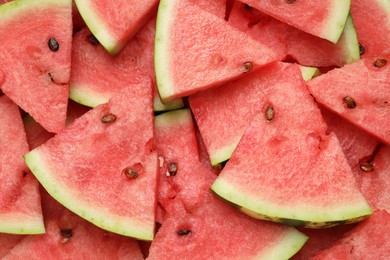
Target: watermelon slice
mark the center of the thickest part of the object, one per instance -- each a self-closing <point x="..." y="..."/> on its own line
<point x="309" y="72"/>
<point x="373" y="178"/>
<point x="111" y="142"/>
<point x="358" y="92"/>
<point x="194" y="217"/>
<point x="114" y="28"/>
<point x="369" y="240"/>
<point x="69" y="236"/>
<point x="374" y="36"/>
<point x="211" y="53"/>
<point x="96" y="75"/>
<point x="35" y="68"/>
<point x="325" y="20"/>
<point x="20" y="212"/>
<point x="286" y="169"/>
<point x="304" y="48"/>
<point x="7" y="242"/>
<point x="241" y="100"/>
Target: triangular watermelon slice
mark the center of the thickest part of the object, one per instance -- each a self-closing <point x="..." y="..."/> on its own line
<point x="114" y="23"/>
<point x="301" y="47"/>
<point x="374" y="36"/>
<point x="35" y="53"/>
<point x="210" y="53"/>
<point x="195" y="219"/>
<point x="325" y="19"/>
<point x="369" y="240"/>
<point x="287" y="169"/>
<point x="20" y="211"/>
<point x="103" y="166"/>
<point x="358" y="92"/>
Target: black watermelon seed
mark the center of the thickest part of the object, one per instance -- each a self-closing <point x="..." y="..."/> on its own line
<point x="172" y="169"/>
<point x="66" y="233"/>
<point x="349" y="102"/>
<point x="53" y="44"/>
<point x="248" y="66"/>
<point x="379" y="63"/>
<point x="361" y="49"/>
<point x="269" y="113"/>
<point x="108" y="118"/>
<point x="366" y="167"/>
<point x="131" y="173"/>
<point x="92" y="39"/>
<point x="183" y="232"/>
<point x="24" y="174"/>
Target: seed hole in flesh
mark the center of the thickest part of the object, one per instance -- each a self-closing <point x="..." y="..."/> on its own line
<point x="24" y="174"/>
<point x="247" y="7"/>
<point x="92" y="39"/>
<point x="183" y="232"/>
<point x="366" y="167"/>
<point x="172" y="169"/>
<point x="269" y="113"/>
<point x="108" y="118"/>
<point x="53" y="44"/>
<point x="290" y="1"/>
<point x="361" y="49"/>
<point x="131" y="173"/>
<point x="66" y="234"/>
<point x="349" y="102"/>
<point x="248" y="66"/>
<point x="379" y="63"/>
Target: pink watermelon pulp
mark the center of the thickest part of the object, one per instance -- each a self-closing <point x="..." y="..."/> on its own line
<point x="112" y="28"/>
<point x="325" y="20"/>
<point x="74" y="174"/>
<point x="358" y="92"/>
<point x="33" y="75"/>
<point x="211" y="53"/>
<point x="302" y="177"/>
<point x="20" y="211"/>
<point x="195" y="219"/>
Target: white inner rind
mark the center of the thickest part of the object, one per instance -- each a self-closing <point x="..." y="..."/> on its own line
<point x="21" y="225"/>
<point x="97" y="26"/>
<point x="161" y="48"/>
<point x="176" y="117"/>
<point x="338" y="14"/>
<point x="286" y="247"/>
<point x="351" y="43"/>
<point x="299" y="212"/>
<point x="64" y="195"/>
<point x="87" y="97"/>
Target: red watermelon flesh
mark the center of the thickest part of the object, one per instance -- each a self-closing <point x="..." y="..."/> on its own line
<point x="71" y="237"/>
<point x="114" y="23"/>
<point x="325" y="19"/>
<point x="96" y="75"/>
<point x="36" y="134"/>
<point x="78" y="22"/>
<point x="287" y="169"/>
<point x="75" y="110"/>
<point x="372" y="22"/>
<point x="211" y="53"/>
<point x="358" y="92"/>
<point x="193" y="207"/>
<point x="320" y="239"/>
<point x="356" y="143"/>
<point x="7" y="242"/>
<point x="374" y="182"/>
<point x="240" y="100"/>
<point x="71" y="170"/>
<point x="20" y="212"/>
<point x="31" y="74"/>
<point x="302" y="47"/>
<point x="369" y="240"/>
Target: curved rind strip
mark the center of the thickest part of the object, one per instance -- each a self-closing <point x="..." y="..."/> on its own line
<point x="295" y="215"/>
<point x="117" y="224"/>
<point x="336" y="22"/>
<point x="12" y="225"/>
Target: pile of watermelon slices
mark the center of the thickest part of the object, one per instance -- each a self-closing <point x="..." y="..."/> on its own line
<point x="195" y="129"/>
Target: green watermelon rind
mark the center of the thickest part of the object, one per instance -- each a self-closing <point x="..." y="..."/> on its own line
<point x="161" y="48"/>
<point x="225" y="152"/>
<point x="21" y="225"/>
<point x="351" y="51"/>
<point x="294" y="215"/>
<point x="286" y="247"/>
<point x="98" y="28"/>
<point x="333" y="29"/>
<point x="309" y="73"/>
<point x="173" y="118"/>
<point x="116" y="224"/>
<point x="159" y="106"/>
